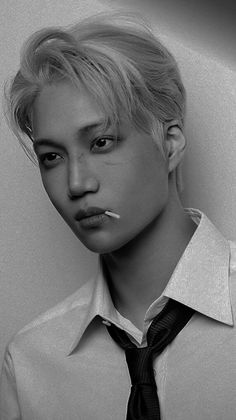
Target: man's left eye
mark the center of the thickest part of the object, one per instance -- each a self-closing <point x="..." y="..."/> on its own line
<point x="103" y="143"/>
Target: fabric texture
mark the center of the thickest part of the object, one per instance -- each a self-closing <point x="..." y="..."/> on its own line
<point x="64" y="365"/>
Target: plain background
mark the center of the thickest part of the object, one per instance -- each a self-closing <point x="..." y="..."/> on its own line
<point x="41" y="260"/>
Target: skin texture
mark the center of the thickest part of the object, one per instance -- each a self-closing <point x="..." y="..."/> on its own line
<point x="129" y="176"/>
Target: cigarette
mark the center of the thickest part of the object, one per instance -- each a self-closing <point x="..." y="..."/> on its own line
<point x="109" y="213"/>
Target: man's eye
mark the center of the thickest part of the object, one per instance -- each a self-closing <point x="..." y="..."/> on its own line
<point x="103" y="143"/>
<point x="46" y="158"/>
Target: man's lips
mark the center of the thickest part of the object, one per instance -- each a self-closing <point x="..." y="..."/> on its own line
<point x="90" y="211"/>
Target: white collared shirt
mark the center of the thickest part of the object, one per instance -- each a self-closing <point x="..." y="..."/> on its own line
<point x="65" y="366"/>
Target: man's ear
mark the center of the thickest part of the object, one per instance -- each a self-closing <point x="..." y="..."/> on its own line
<point x="175" y="144"/>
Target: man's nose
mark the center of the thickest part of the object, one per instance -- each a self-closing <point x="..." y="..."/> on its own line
<point x="81" y="179"/>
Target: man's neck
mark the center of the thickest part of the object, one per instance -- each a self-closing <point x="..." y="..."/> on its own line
<point x="138" y="273"/>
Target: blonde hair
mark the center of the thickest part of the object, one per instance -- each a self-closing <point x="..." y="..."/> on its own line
<point x="116" y="58"/>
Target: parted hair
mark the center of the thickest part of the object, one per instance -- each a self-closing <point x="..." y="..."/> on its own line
<point x="116" y="57"/>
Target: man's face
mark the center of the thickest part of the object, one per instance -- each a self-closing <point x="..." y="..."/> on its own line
<point x="89" y="168"/>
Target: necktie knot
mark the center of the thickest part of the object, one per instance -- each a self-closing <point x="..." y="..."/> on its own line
<point x="139" y="361"/>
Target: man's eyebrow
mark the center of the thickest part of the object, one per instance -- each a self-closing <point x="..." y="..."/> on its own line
<point x="82" y="130"/>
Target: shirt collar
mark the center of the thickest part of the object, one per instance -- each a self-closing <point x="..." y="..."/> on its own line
<point x="200" y="280"/>
<point x="100" y="304"/>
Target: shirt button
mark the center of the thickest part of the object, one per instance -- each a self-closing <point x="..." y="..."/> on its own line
<point x="105" y="322"/>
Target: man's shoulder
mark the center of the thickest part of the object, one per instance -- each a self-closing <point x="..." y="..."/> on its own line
<point x="56" y="320"/>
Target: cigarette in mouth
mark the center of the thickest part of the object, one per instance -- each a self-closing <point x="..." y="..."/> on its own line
<point x="111" y="214"/>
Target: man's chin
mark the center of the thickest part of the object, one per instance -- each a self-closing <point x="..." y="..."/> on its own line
<point x="100" y="243"/>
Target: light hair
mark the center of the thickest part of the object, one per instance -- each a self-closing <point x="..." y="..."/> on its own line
<point x="116" y="58"/>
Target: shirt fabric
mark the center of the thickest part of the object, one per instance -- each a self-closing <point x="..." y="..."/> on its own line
<point x="65" y="366"/>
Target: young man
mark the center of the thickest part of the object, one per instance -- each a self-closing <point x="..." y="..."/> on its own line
<point x="152" y="334"/>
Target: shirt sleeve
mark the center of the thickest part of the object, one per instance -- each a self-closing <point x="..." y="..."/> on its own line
<point x="9" y="405"/>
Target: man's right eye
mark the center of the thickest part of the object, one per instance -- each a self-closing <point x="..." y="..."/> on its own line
<point x="47" y="158"/>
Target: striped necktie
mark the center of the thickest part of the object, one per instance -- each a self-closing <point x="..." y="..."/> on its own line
<point x="143" y="401"/>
